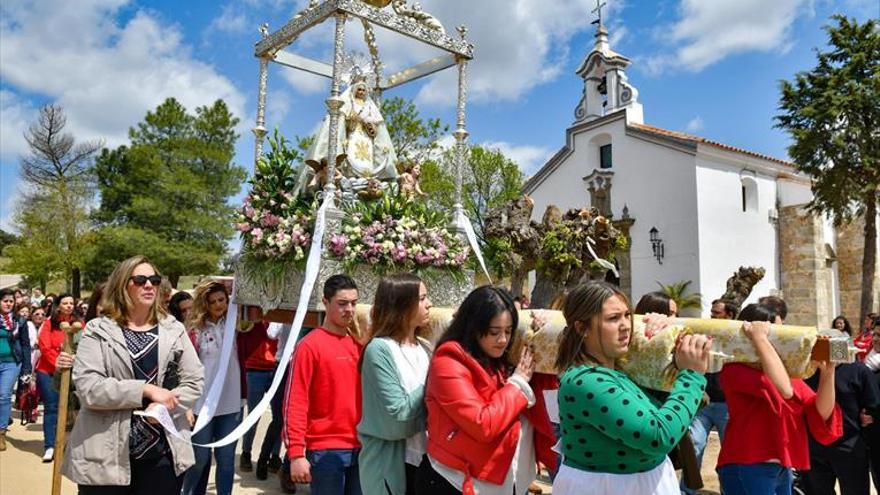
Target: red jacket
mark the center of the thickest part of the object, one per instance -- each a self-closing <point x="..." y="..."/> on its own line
<point x="50" y="341"/>
<point x="764" y="426"/>
<point x="473" y="416"/>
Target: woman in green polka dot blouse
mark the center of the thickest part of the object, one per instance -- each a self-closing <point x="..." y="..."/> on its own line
<point x="614" y="439"/>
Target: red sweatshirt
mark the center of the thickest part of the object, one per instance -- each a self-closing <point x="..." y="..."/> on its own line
<point x="764" y="426"/>
<point x="256" y="349"/>
<point x="322" y="404"/>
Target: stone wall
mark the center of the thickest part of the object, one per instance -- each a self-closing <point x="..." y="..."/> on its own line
<point x="850" y="248"/>
<point x="805" y="270"/>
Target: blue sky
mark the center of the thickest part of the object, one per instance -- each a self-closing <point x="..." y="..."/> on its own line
<point x="707" y="67"/>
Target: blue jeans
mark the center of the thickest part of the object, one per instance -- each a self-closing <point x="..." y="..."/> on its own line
<point x="8" y="377"/>
<point x="713" y="415"/>
<point x="334" y="471"/>
<point x="49" y="396"/>
<point x="195" y="481"/>
<point x="766" y="478"/>
<point x="258" y="383"/>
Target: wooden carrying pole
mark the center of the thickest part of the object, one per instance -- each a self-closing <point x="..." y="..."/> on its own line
<point x="61" y="427"/>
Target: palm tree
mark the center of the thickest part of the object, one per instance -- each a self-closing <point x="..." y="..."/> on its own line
<point x="677" y="291"/>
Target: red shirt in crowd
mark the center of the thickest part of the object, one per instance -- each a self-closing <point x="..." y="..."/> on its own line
<point x="765" y="427"/>
<point x="50" y="340"/>
<point x="863" y="341"/>
<point x="323" y="399"/>
<point x="256" y="349"/>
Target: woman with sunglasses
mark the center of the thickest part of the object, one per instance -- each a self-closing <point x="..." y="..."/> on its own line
<point x="481" y="435"/>
<point x="135" y="357"/>
<point x="207" y="322"/>
<point x="51" y="342"/>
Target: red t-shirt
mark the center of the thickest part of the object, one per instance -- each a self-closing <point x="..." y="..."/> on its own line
<point x="764" y="426"/>
<point x="863" y="341"/>
<point x="50" y="342"/>
<point x="323" y="398"/>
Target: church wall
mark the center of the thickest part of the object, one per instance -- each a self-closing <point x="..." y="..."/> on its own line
<point x="806" y="275"/>
<point x="730" y="237"/>
<point x="851" y="242"/>
<point x="655" y="182"/>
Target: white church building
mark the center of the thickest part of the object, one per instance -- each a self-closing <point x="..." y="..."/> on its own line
<point x="694" y="209"/>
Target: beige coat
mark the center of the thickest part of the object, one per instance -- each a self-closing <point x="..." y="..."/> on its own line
<point x="97" y="449"/>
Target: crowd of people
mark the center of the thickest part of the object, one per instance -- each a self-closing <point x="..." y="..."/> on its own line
<point x="393" y="410"/>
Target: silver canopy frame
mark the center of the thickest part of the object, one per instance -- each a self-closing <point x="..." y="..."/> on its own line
<point x="400" y="18"/>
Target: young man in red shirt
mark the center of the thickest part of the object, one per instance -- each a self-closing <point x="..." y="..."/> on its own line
<point x="323" y="399"/>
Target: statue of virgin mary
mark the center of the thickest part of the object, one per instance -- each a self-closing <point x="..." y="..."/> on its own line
<point x="364" y="147"/>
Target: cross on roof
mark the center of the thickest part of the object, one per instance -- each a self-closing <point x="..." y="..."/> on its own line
<point x="598" y="12"/>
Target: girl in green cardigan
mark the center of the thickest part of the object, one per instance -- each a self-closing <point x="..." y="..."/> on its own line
<point x="393" y="373"/>
<point x="614" y="438"/>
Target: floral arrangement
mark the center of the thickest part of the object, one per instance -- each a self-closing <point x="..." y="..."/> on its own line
<point x="398" y="233"/>
<point x="275" y="225"/>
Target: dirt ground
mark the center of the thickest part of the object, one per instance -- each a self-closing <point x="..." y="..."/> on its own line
<point x="23" y="473"/>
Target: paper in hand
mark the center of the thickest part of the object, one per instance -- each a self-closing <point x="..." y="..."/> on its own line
<point x="160" y="413"/>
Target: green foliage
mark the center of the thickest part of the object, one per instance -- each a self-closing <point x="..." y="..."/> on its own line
<point x="53" y="215"/>
<point x="6" y="239"/>
<point x="678" y="293"/>
<point x="833" y="116"/>
<point x="558" y="259"/>
<point x="415" y="139"/>
<point x="173" y="184"/>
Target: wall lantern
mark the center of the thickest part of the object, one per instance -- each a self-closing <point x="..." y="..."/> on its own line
<point x="657" y="244"/>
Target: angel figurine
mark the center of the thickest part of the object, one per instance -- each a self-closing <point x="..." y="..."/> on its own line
<point x="409" y="181"/>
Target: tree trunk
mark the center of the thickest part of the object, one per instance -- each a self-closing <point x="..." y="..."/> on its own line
<point x="76" y="282"/>
<point x="869" y="257"/>
<point x="517" y="281"/>
<point x="174" y="278"/>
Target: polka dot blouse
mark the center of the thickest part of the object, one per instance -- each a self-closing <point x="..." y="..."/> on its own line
<point x="610" y="426"/>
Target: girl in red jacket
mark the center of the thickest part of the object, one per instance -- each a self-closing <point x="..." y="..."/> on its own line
<point x="770" y="413"/>
<point x="481" y="433"/>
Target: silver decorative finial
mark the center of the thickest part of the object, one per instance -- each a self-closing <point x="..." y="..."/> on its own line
<point x="462" y="31"/>
<point x="598" y="12"/>
<point x="264" y="29"/>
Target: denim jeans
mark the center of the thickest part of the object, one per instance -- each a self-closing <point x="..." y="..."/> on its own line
<point x="713" y="415"/>
<point x="766" y="478"/>
<point x="334" y="471"/>
<point x="49" y="396"/>
<point x="195" y="482"/>
<point x="8" y="377"/>
<point x="258" y="383"/>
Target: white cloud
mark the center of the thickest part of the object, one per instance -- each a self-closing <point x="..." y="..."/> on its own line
<point x="695" y="124"/>
<point x="519" y="45"/>
<point x="105" y="73"/>
<point x="529" y="158"/>
<point x="277" y="104"/>
<point x="708" y="32"/>
<point x="15" y="117"/>
<point x="231" y="20"/>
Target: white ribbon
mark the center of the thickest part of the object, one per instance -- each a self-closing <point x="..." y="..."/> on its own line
<point x="209" y="407"/>
<point x="312" y="265"/>
<point x="603" y="262"/>
<point x="463" y="223"/>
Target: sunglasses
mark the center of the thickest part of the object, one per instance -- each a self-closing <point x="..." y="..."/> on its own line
<point x="143" y="279"/>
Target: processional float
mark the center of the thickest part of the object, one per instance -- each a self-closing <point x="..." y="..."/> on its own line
<point x="347" y="168"/>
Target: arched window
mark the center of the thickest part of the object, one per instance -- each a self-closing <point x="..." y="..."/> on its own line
<point x="749" y="194"/>
<point x="601" y="147"/>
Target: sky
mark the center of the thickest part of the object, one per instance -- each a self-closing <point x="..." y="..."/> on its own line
<point x="711" y="68"/>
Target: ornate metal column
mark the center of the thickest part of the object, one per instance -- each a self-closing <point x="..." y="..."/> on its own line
<point x="460" y="134"/>
<point x="334" y="103"/>
<point x="259" y="129"/>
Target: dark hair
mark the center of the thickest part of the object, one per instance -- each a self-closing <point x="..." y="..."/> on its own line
<point x="846" y="326"/>
<point x="397" y="297"/>
<point x="653" y="302"/>
<point x="471" y="322"/>
<point x="337" y="283"/>
<point x="583" y="305"/>
<point x="56" y="309"/>
<point x="730" y="307"/>
<point x="94" y="302"/>
<point x="174" y="304"/>
<point x="758" y="312"/>
<point x="777" y="304"/>
<point x="6" y="292"/>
